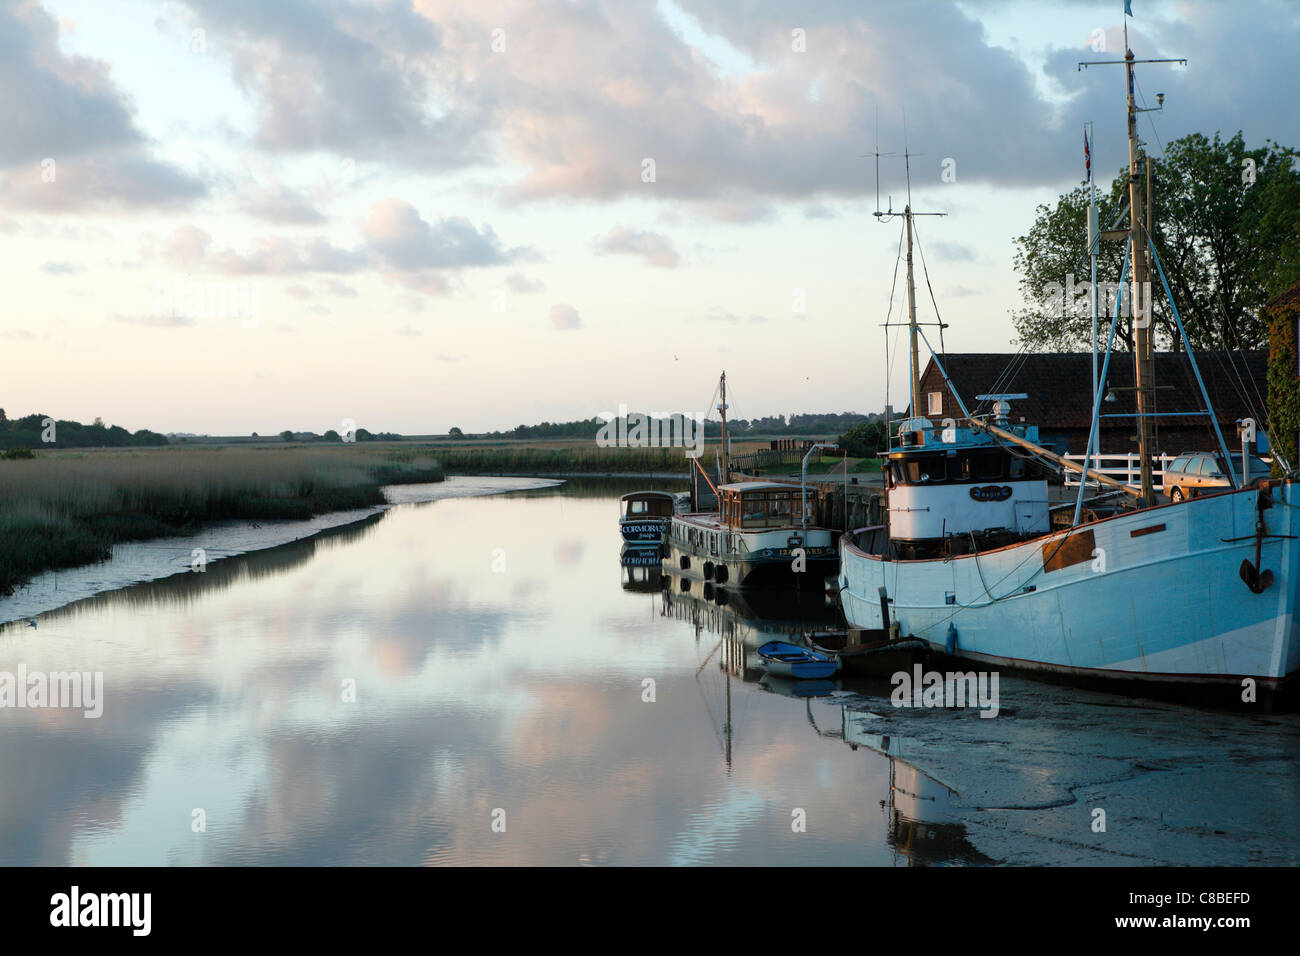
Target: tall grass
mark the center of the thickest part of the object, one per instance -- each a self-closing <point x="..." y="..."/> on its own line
<point x="586" y="457"/>
<point x="64" y="509"/>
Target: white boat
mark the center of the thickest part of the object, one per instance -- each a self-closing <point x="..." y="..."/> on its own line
<point x="757" y="537"/>
<point x="1196" y="598"/>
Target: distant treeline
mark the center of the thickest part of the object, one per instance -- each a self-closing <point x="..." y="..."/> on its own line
<point x="41" y="431"/>
<point x="811" y="424"/>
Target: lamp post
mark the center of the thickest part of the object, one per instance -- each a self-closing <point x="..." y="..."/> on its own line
<point x="803" y="484"/>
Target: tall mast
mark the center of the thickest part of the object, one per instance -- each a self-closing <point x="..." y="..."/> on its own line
<point x="1144" y="366"/>
<point x="911" y="295"/>
<point x="1144" y="371"/>
<point x="912" y="325"/>
<point x="722" y="409"/>
<point x="911" y="319"/>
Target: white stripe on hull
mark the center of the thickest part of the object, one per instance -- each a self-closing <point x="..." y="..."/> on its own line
<point x="1163" y="605"/>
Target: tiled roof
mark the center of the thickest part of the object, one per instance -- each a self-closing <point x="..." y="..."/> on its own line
<point x="1059" y="385"/>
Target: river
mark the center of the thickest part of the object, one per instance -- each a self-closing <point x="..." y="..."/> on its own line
<point x="478" y="680"/>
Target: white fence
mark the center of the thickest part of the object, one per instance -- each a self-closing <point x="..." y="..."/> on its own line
<point x="1126" y="468"/>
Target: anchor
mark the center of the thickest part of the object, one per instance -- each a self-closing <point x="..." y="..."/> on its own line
<point x="1258" y="581"/>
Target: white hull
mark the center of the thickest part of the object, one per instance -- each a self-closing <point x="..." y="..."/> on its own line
<point x="1159" y="605"/>
<point x="698" y="546"/>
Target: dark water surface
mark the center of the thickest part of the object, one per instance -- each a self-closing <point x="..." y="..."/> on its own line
<point x="501" y="654"/>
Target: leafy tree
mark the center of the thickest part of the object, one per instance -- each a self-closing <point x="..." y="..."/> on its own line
<point x="455" y="433"/>
<point x="332" y="435"/>
<point x="1228" y="240"/>
<point x="865" y="439"/>
<point x="287" y="435"/>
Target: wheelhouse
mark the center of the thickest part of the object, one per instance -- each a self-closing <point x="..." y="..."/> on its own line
<point x="755" y="505"/>
<point x="638" y="505"/>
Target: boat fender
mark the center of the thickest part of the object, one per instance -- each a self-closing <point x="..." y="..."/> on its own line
<point x="720" y="574"/>
<point x="685" y="562"/>
<point x="708" y="570"/>
<point x="952" y="638"/>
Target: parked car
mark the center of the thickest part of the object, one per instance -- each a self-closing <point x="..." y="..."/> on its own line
<point x="1195" y="473"/>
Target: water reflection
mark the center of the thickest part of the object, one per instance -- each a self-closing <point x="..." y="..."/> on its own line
<point x="374" y="695"/>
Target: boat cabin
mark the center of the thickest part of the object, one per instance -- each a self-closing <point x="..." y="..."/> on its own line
<point x="948" y="481"/>
<point x="646" y="504"/>
<point x="759" y="504"/>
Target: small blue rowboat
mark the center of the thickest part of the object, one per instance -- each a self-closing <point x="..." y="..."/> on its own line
<point x="787" y="660"/>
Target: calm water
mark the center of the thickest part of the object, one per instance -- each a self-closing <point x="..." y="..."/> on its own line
<point x="500" y="653"/>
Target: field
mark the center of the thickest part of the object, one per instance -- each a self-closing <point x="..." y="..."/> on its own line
<point x="66" y="508"/>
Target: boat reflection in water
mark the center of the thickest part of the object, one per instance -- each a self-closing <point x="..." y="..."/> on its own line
<point x="924" y="822"/>
<point x="641" y="569"/>
<point x="744" y="620"/>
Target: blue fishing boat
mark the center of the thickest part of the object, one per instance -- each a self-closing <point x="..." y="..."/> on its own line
<point x="787" y="660"/>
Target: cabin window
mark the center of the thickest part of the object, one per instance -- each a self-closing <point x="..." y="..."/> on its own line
<point x="925" y="470"/>
<point x="1017" y="467"/>
<point x="935" y="403"/>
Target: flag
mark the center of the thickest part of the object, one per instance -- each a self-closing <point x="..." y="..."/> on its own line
<point x="1128" y="8"/>
<point x="1087" y="158"/>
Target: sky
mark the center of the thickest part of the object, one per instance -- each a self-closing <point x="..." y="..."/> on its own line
<point x="235" y="216"/>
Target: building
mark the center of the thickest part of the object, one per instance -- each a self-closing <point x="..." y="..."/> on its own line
<point x="1059" y="386"/>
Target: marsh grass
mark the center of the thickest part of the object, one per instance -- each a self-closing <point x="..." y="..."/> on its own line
<point x="560" y="458"/>
<point x="63" y="509"/>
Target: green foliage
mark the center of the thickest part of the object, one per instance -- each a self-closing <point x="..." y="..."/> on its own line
<point x="29" y="432"/>
<point x="865" y="439"/>
<point x="1227" y="245"/>
<point x="1283" y="383"/>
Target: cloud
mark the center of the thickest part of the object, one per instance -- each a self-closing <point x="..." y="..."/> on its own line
<point x="187" y="246"/>
<point x="954" y="251"/>
<point x="70" y="141"/>
<point x="357" y="79"/>
<point x="406" y="242"/>
<point x="520" y="284"/>
<point x="62" y="268"/>
<point x="282" y="206"/>
<point x="655" y="249"/>
<point x="164" y="321"/>
<point x="722" y="315"/>
<point x="565" y="317"/>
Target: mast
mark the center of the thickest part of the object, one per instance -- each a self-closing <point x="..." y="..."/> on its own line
<point x="912" y="325"/>
<point x="911" y="319"/>
<point x="722" y="409"/>
<point x="911" y="294"/>
<point x="1144" y="371"/>
<point x="1144" y="366"/>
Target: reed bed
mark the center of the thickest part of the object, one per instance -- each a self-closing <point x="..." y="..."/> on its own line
<point x="63" y="509"/>
<point x="585" y="458"/>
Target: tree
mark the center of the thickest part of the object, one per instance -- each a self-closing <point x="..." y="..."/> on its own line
<point x="287" y="435"/>
<point x="864" y="440"/>
<point x="1227" y="230"/>
<point x="331" y="435"/>
<point x="455" y="433"/>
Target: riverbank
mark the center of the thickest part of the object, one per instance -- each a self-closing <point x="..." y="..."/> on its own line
<point x="135" y="562"/>
<point x="65" y="509"/>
